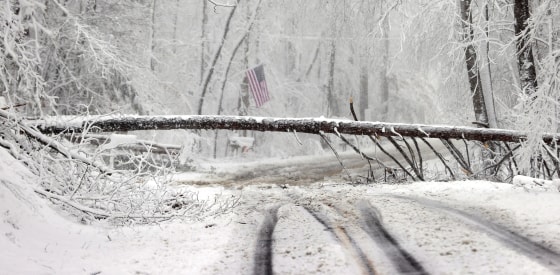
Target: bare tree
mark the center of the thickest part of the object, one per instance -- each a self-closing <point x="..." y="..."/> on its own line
<point x="471" y="60"/>
<point x="54" y="59"/>
<point x="485" y="70"/>
<point x="210" y="71"/>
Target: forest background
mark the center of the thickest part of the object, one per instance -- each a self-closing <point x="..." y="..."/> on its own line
<point x="494" y="63"/>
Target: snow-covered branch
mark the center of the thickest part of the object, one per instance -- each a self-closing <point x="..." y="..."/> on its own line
<point x="217" y="4"/>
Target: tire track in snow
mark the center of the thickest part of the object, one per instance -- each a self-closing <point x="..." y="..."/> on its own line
<point x="342" y="236"/>
<point x="521" y="244"/>
<point x="403" y="261"/>
<point x="263" y="252"/>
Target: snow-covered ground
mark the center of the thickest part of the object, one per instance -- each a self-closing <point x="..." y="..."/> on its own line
<point x="326" y="227"/>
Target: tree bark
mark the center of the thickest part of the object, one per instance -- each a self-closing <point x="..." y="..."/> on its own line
<point x="481" y="115"/>
<point x="304" y="125"/>
<point x="525" y="58"/>
<point x="486" y="73"/>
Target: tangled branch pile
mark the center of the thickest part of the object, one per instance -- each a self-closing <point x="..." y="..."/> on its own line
<point x="76" y="178"/>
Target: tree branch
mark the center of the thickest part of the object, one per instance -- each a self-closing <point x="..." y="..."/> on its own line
<point x="221" y="4"/>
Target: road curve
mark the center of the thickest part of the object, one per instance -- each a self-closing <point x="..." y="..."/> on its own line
<point x="522" y="244"/>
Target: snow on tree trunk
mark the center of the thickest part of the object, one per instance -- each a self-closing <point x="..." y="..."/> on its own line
<point x="303" y="125"/>
<point x="486" y="74"/>
<point x="384" y="83"/>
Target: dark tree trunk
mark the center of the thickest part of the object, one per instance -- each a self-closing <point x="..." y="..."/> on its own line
<point x="525" y="58"/>
<point x="307" y="125"/>
<point x="488" y="89"/>
<point x="479" y="105"/>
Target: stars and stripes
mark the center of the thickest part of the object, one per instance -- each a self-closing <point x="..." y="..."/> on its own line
<point x="257" y="85"/>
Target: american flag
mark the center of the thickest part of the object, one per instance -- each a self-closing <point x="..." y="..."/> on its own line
<point x="257" y="84"/>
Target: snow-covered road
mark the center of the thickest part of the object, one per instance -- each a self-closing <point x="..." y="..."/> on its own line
<point x="333" y="229"/>
<point x="304" y="170"/>
<point x="296" y="226"/>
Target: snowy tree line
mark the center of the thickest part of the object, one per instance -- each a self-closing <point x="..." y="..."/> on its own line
<point x="405" y="61"/>
<point x="491" y="63"/>
<point x="401" y="61"/>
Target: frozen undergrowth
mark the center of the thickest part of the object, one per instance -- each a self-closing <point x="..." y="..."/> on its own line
<point x="76" y="179"/>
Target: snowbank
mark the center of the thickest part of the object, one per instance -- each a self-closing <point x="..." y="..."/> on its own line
<point x="533" y="183"/>
<point x="31" y="233"/>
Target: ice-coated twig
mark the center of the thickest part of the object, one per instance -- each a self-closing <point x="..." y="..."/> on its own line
<point x="47" y="141"/>
<point x="423" y="132"/>
<point x="297" y="138"/>
<point x="336" y="154"/>
<point x="406" y="158"/>
<point x="376" y="142"/>
<point x="217" y="4"/>
<point x="443" y="160"/>
<point x="395" y="132"/>
<point x="336" y="131"/>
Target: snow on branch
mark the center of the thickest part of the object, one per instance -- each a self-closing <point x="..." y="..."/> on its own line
<point x="302" y="125"/>
<point x="217" y="4"/>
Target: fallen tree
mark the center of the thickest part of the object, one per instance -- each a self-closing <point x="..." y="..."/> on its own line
<point x="80" y="182"/>
<point x="58" y="125"/>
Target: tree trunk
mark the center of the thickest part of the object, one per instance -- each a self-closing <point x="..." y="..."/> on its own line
<point x="481" y="115"/>
<point x="75" y="124"/>
<point x="331" y="96"/>
<point x="153" y="37"/>
<point x="203" y="40"/>
<point x="244" y="100"/>
<point x="290" y="51"/>
<point x="384" y="83"/>
<point x="175" y="21"/>
<point x="210" y="71"/>
<point x="486" y="74"/>
<point x="226" y="74"/>
<point x="312" y="63"/>
<point x="525" y="58"/>
<point x="364" y="96"/>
